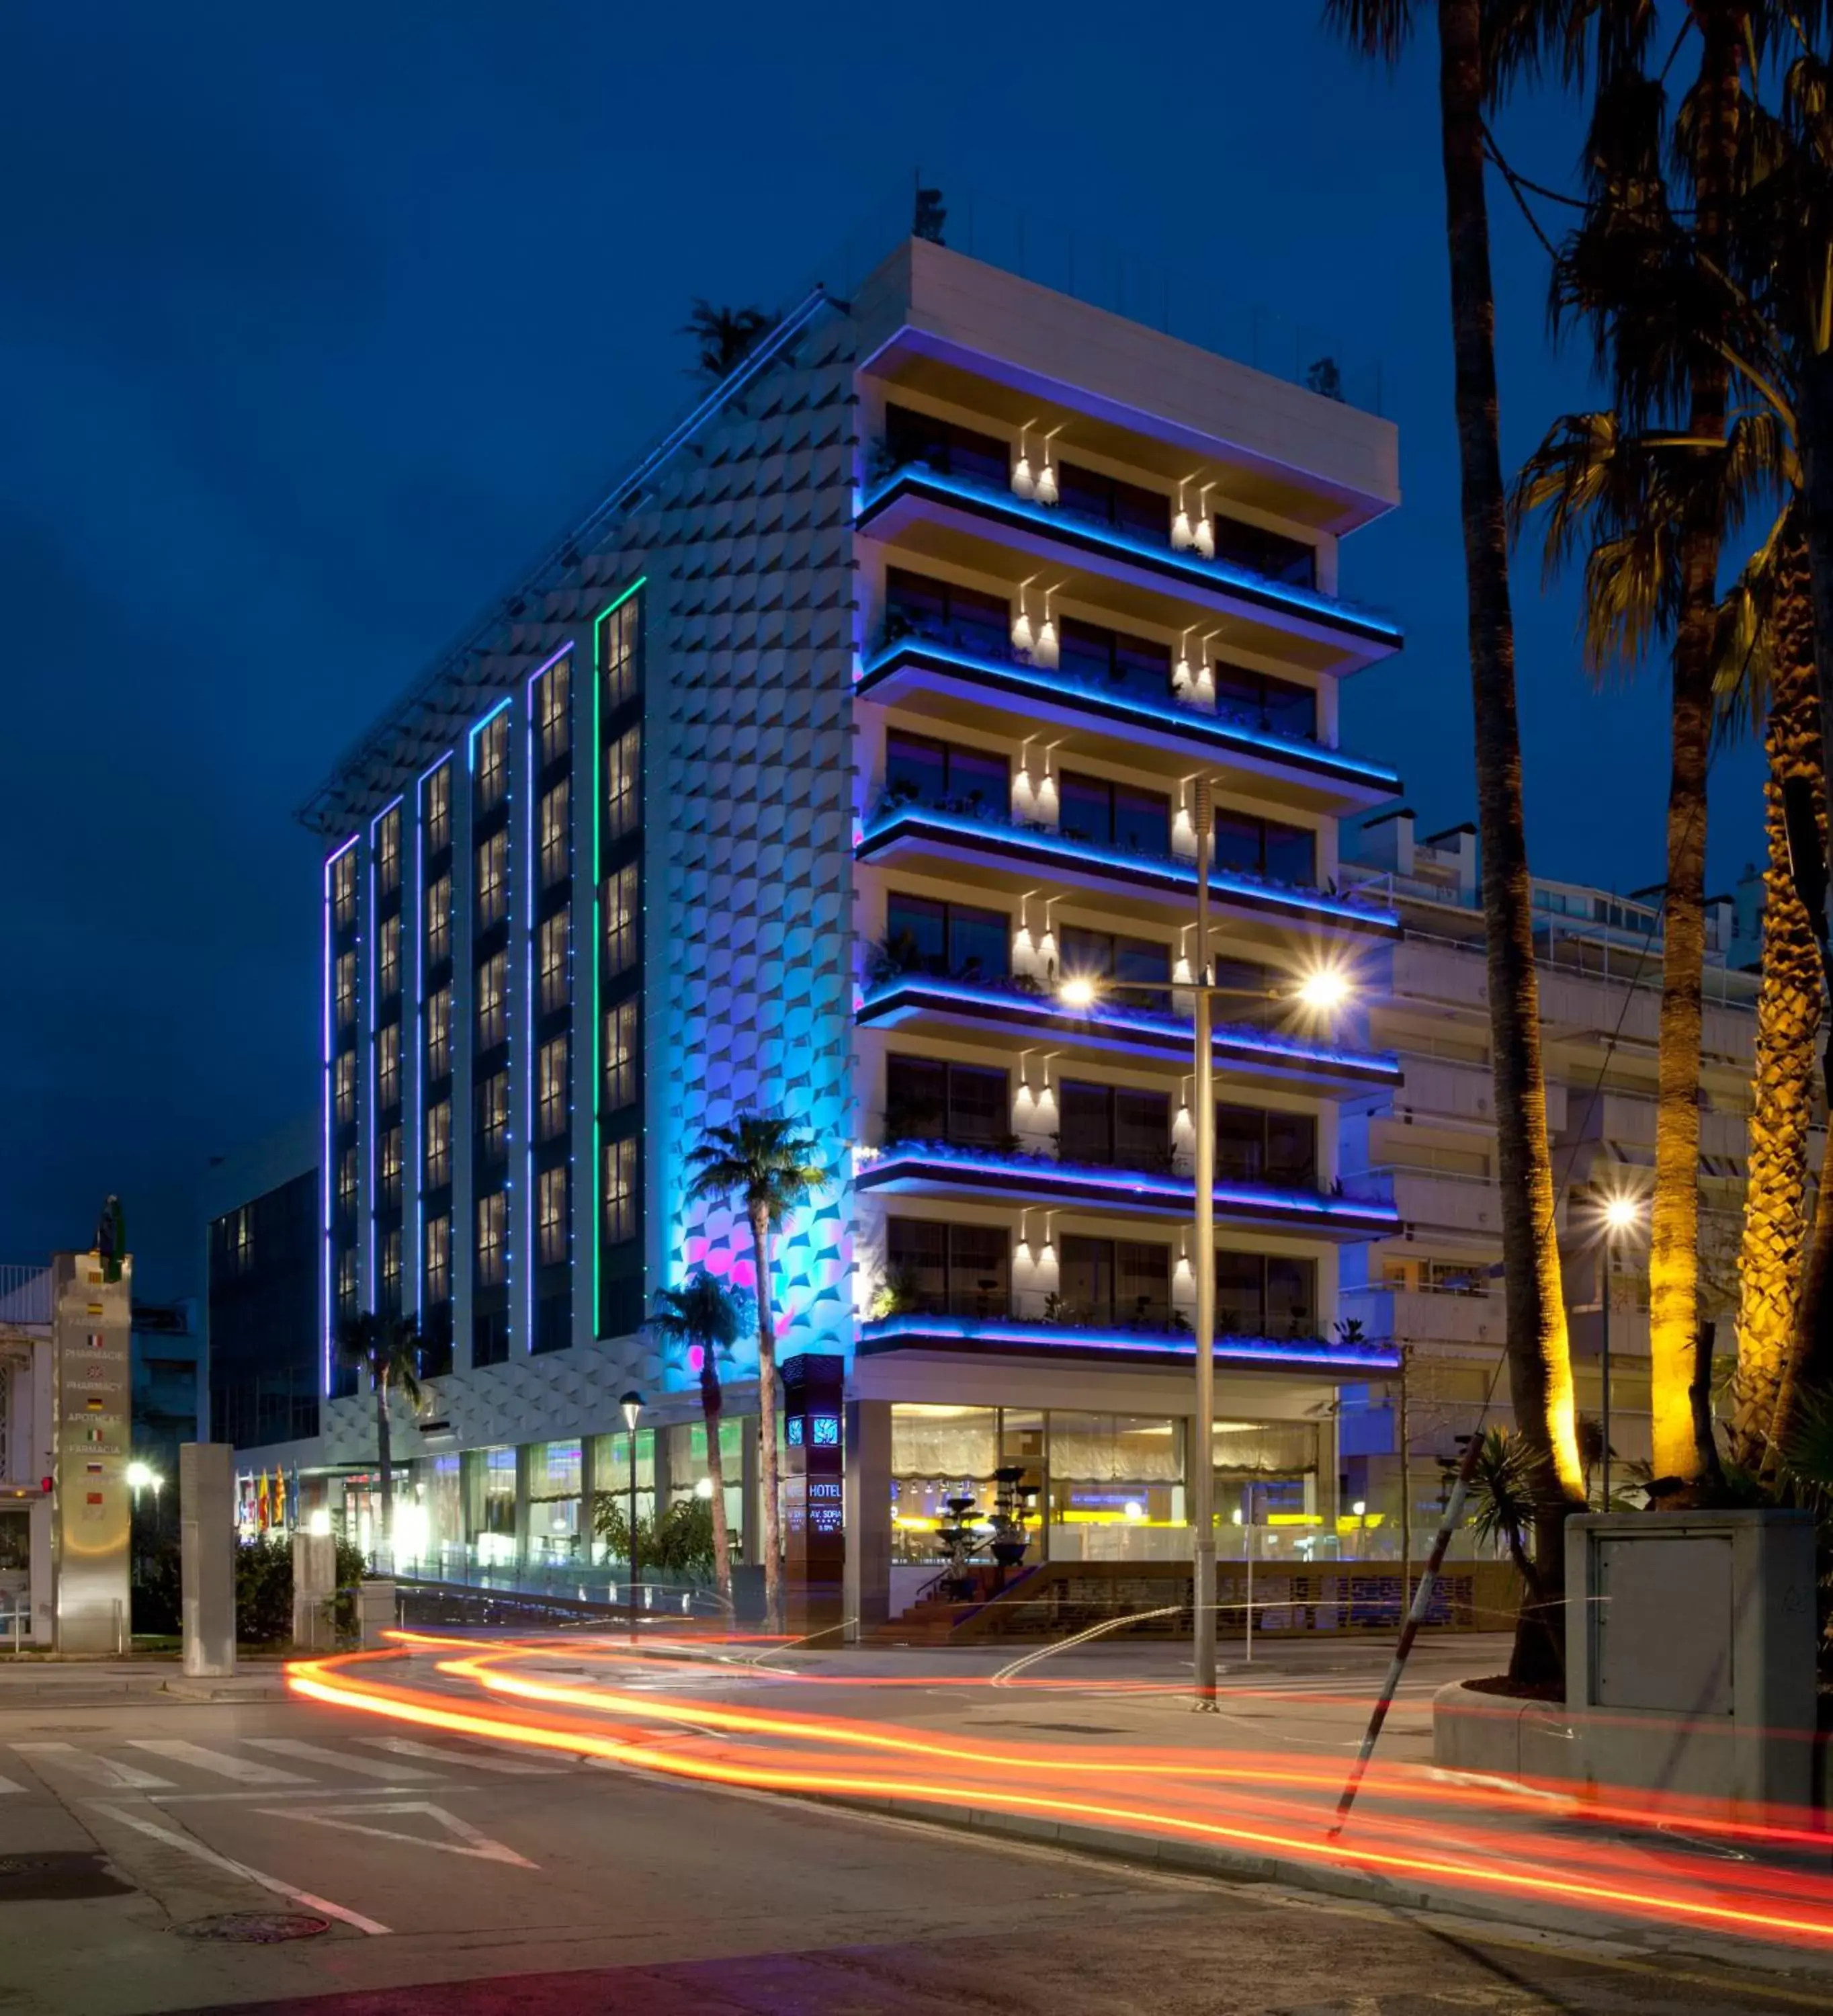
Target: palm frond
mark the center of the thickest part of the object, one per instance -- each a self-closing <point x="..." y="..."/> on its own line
<point x="1377" y="28"/>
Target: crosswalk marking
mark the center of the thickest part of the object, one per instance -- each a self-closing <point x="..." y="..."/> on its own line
<point x="98" y="1770"/>
<point x="318" y="1753"/>
<point x="7" y="1785"/>
<point x="178" y="1751"/>
<point x="404" y="1746"/>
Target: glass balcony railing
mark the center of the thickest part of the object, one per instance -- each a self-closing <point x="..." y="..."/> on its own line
<point x="890" y="479"/>
<point x="999" y="1332"/>
<point x="996" y="661"/>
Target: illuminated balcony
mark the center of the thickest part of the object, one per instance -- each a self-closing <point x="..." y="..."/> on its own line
<point x="1012" y="1336"/>
<point x="953" y="518"/>
<point x="1004" y="855"/>
<point x="1015" y="1016"/>
<point x="981" y="686"/>
<point x="977" y="1174"/>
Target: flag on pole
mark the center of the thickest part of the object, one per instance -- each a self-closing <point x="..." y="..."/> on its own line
<point x="263" y="1502"/>
<point x="280" y="1497"/>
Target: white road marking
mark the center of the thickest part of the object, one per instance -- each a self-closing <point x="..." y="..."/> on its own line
<point x="187" y="1845"/>
<point x="470" y="1840"/>
<point x="319" y="1753"/>
<point x="98" y="1770"/>
<point x="178" y="1751"/>
<point x="404" y="1746"/>
<point x="7" y="1785"/>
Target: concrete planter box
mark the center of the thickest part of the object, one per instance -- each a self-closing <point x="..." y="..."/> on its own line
<point x="1690" y="1666"/>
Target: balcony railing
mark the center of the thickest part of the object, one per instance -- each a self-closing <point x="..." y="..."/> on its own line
<point x="996" y="830"/>
<point x="1016" y="1334"/>
<point x="1025" y="1004"/>
<point x="998" y="664"/>
<point x="1185" y="566"/>
<point x="1014" y="1173"/>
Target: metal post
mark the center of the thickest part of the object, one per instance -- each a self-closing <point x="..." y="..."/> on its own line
<point x="1604" y="1365"/>
<point x="633" y="1548"/>
<point x="1248" y="1611"/>
<point x="1406" y="1492"/>
<point x="1201" y="1464"/>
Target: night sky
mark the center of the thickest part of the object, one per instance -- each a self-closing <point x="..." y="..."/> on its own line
<point x="315" y="326"/>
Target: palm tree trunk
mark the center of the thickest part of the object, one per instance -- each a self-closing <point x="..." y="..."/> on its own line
<point x="1540" y="1362"/>
<point x="711" y="1401"/>
<point x="1771" y="1248"/>
<point x="769" y="1513"/>
<point x="1673" y="1259"/>
<point x="384" y="1464"/>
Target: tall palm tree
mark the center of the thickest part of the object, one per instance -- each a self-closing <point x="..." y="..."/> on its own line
<point x="702" y="1315"/>
<point x="1540" y="1360"/>
<point x="386" y="1351"/>
<point x="726" y="337"/>
<point x="772" y="1169"/>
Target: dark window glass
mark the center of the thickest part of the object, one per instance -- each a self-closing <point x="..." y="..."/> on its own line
<point x="1111" y="815"/>
<point x="981" y="778"/>
<point x="1270" y="554"/>
<point x="1084" y="1122"/>
<point x="1113" y="657"/>
<point x="947" y="448"/>
<point x="1085" y="808"/>
<point x="1291" y="1297"/>
<point x="1141" y="959"/>
<point x="1276" y="707"/>
<point x="980" y="943"/>
<point x="1142" y="1129"/>
<point x="1142" y="820"/>
<point x="1249" y="998"/>
<point x="917" y="1255"/>
<point x="962" y="617"/>
<point x="917" y="930"/>
<point x="1291" y="1150"/>
<point x="980" y="1106"/>
<point x="951" y="1269"/>
<point x="1109" y="1280"/>
<point x="1113" y="1124"/>
<point x="1085" y="1278"/>
<point x="916" y="1098"/>
<point x="944" y="773"/>
<point x="1101" y="954"/>
<point x="948" y="938"/>
<point x="1291" y="854"/>
<point x="1265" y="846"/>
<point x="1240" y="1294"/>
<point x="1129" y="507"/>
<point x="1255" y="1146"/>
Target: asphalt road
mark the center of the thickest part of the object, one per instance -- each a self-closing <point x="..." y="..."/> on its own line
<point x="545" y="1885"/>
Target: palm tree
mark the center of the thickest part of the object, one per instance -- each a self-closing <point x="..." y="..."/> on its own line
<point x="1539" y="1359"/>
<point x="772" y="1169"/>
<point x="702" y="1315"/>
<point x="726" y="337"/>
<point x="387" y="1350"/>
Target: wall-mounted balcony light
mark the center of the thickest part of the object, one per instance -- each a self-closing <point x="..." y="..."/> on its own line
<point x="1205" y="687"/>
<point x="1021" y="636"/>
<point x="1203" y="532"/>
<point x="1044" y="652"/>
<point x="1047" y="480"/>
<point x="1024" y="482"/>
<point x="1182" y="678"/>
<point x="1182" y="538"/>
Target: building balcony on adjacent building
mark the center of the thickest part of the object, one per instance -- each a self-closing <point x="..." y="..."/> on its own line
<point x="1626" y="1120"/>
<point x="1391" y="1314"/>
<point x="944" y="1169"/>
<point x="1442" y="1199"/>
<point x="1012" y="1335"/>
<point x="1012" y="1015"/>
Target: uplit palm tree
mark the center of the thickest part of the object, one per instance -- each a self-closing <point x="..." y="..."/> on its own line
<point x="772" y="1169"/>
<point x="386" y="1351"/>
<point x="702" y="1315"/>
<point x="726" y="336"/>
<point x="1540" y="1377"/>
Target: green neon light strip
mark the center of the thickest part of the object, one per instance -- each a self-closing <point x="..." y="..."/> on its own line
<point x="598" y="950"/>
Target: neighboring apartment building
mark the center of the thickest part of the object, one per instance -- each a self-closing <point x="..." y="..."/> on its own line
<point x="867" y="707"/>
<point x="1433" y="1286"/>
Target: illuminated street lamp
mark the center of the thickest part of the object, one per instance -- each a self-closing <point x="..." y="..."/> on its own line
<point x="1324" y="990"/>
<point x="1619" y="1214"/>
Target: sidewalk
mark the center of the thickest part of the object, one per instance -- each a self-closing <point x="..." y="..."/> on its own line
<point x="31" y="1682"/>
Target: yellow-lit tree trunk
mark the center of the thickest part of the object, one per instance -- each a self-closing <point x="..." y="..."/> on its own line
<point x="1771" y="1252"/>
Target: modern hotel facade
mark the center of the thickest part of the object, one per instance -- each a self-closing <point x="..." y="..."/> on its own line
<point x="870" y="708"/>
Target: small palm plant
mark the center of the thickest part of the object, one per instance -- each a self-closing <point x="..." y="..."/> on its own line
<point x="1502" y="1501"/>
<point x="703" y="1315"/>
<point x="726" y="336"/>
<point x="387" y="1350"/>
<point x="773" y="1168"/>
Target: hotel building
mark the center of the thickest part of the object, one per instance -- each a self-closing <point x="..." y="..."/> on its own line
<point x="868" y="708"/>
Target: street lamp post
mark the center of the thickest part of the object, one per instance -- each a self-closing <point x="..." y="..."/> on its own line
<point x="1619" y="1213"/>
<point x="631" y="1404"/>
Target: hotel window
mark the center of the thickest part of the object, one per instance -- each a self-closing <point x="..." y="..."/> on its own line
<point x="388" y="957"/>
<point x="346" y="989"/>
<point x="961" y="616"/>
<point x="343" y="1088"/>
<point x="620" y="1192"/>
<point x="962" y="1270"/>
<point x="927" y="1100"/>
<point x="388" y="1167"/>
<point x="388" y="1065"/>
<point x="347" y="1283"/>
<point x="1264" y="1295"/>
<point x="623" y="784"/>
<point x="556" y="836"/>
<point x="391" y="1268"/>
<point x="1113" y="659"/>
<point x="1114" y="1280"/>
<point x="439" y="921"/>
<point x="920" y="770"/>
<point x="490" y="758"/>
<point x="1276" y="707"/>
<point x="924" y="936"/>
<point x="622" y="1057"/>
<point x="439" y="1259"/>
<point x="493" y="1116"/>
<point x="493" y="1007"/>
<point x="439" y="1033"/>
<point x="343" y="889"/>
<point x="493" y="881"/>
<point x="493" y="1218"/>
<point x="347" y="1168"/>
<point x="439" y="1145"/>
<point x="552" y="944"/>
<point x="1111" y="815"/>
<point x="388" y="853"/>
<point x="617" y="633"/>
<point x="1110" y="500"/>
<point x="241" y="1236"/>
<point x="948" y="447"/>
<point x="551" y="1090"/>
<point x="1266" y="846"/>
<point x="1106" y="955"/>
<point x="551" y="698"/>
<point x="436" y="804"/>
<point x="622" y="904"/>
<point x="1113" y="1124"/>
<point x="1254" y="1146"/>
<point x="550" y="1215"/>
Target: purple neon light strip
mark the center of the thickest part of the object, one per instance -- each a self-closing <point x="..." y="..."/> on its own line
<point x="1308" y="1351"/>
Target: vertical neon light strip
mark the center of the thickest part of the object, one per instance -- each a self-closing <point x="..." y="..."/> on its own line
<point x="595" y="1190"/>
<point x="329" y="1306"/>
<point x="529" y="1059"/>
<point x="374" y="969"/>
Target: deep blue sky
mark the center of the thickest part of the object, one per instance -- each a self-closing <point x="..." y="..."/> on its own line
<point x="314" y="326"/>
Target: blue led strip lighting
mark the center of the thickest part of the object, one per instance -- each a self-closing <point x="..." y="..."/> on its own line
<point x="482" y="722"/>
<point x="1216" y="576"/>
<point x="1315" y="1354"/>
<point x="1036" y="682"/>
<point x="329" y="1309"/>
<point x="1044" y="847"/>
